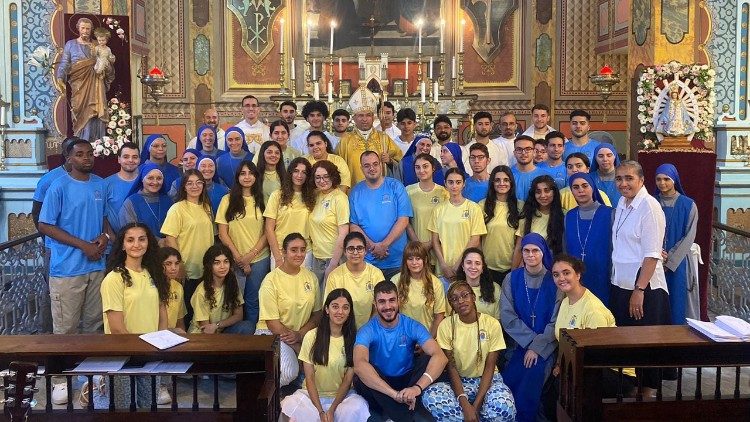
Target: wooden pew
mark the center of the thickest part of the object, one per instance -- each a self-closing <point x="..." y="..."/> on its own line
<point x="253" y="359"/>
<point x="584" y="353"/>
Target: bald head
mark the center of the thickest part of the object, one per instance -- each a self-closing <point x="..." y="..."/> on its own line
<point x="211" y="117"/>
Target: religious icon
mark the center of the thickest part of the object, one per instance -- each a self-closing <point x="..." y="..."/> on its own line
<point x="398" y="87"/>
<point x="104" y="57"/>
<point x="488" y="17"/>
<point x="676" y="112"/>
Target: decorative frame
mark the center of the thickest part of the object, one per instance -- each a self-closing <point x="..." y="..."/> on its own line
<point x="346" y="87"/>
<point x="398" y="87"/>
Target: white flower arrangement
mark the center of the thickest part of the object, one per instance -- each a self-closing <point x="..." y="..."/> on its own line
<point x="114" y="24"/>
<point x="655" y="78"/>
<point x="42" y="58"/>
<point x="118" y="130"/>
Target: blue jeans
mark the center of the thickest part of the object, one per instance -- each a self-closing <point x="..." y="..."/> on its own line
<point x="252" y="284"/>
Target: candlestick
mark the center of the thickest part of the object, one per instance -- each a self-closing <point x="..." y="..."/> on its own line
<point x="419" y="36"/>
<point x="341" y="70"/>
<point x="442" y="31"/>
<point x="453" y="67"/>
<point x="430" y="67"/>
<point x="461" y="37"/>
<point x="422" y="92"/>
<point x="314" y="70"/>
<point x="333" y="27"/>
<point x="292" y="74"/>
<point x="316" y="91"/>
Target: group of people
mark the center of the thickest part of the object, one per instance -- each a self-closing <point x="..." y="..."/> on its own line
<point x="400" y="285"/>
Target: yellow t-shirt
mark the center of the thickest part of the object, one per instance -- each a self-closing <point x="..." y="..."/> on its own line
<point x="416" y="304"/>
<point x="352" y="145"/>
<point x="569" y="201"/>
<point x="244" y="231"/>
<point x="462" y="339"/>
<point x="500" y="241"/>
<point x="346" y="175"/>
<point x="291" y="299"/>
<point x="360" y="287"/>
<point x="271" y="184"/>
<point x="290" y="218"/>
<point x="538" y="225"/>
<point x="455" y="225"/>
<point x="139" y="303"/>
<point x="203" y="312"/>
<point x="287" y="156"/>
<point x="328" y="378"/>
<point x="192" y="227"/>
<point x="423" y="203"/>
<point x="588" y="312"/>
<point x="331" y="211"/>
<point x="176" y="303"/>
<point x="490" y="308"/>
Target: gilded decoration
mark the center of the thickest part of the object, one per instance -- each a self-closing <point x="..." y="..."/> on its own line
<point x="256" y="18"/>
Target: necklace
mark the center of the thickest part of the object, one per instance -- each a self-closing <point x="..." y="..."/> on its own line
<point x="528" y="299"/>
<point x="578" y="232"/>
<point x="158" y="209"/>
<point x="620" y="224"/>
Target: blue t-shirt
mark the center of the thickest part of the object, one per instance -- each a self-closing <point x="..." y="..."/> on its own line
<point x="523" y="181"/>
<point x="78" y="208"/>
<point x="587" y="149"/>
<point x="392" y="349"/>
<point x="559" y="173"/>
<point x="45" y="182"/>
<point x="116" y="191"/>
<point x="476" y="190"/>
<point x="376" y="211"/>
<point x="227" y="165"/>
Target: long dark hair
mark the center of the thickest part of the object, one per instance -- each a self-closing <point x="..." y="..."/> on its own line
<point x="287" y="185"/>
<point x="321" y="135"/>
<point x="150" y="260"/>
<point x="280" y="172"/>
<point x="203" y="199"/>
<point x="231" y="289"/>
<point x="556" y="223"/>
<point x="236" y="206"/>
<point x="514" y="215"/>
<point x="319" y="351"/>
<point x="486" y="286"/>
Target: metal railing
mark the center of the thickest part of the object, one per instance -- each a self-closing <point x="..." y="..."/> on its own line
<point x="24" y="292"/>
<point x="729" y="272"/>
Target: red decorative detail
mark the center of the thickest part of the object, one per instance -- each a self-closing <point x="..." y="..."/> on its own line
<point x="606" y="70"/>
<point x="156" y="72"/>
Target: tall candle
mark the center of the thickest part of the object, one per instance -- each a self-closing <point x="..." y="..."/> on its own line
<point x="333" y="27"/>
<point x="3" y="117"/>
<point x="281" y="36"/>
<point x="330" y="91"/>
<point x="435" y="92"/>
<point x="406" y="70"/>
<point x="430" y="67"/>
<point x="316" y="91"/>
<point x="341" y="69"/>
<point x="422" y="92"/>
<point x="309" y="36"/>
<point x="461" y="37"/>
<point x="314" y="70"/>
<point x="453" y="66"/>
<point x="442" y="31"/>
<point x="292" y="72"/>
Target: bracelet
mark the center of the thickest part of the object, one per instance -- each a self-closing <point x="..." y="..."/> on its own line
<point x="458" y="397"/>
<point x="107" y="235"/>
<point x="217" y="325"/>
<point x="420" y="389"/>
<point x="430" y="377"/>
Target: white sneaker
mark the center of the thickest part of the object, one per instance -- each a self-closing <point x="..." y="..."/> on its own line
<point x="60" y="393"/>
<point x="163" y="397"/>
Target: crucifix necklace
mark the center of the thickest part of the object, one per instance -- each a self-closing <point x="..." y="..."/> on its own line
<point x="621" y="221"/>
<point x="586" y="240"/>
<point x="528" y="299"/>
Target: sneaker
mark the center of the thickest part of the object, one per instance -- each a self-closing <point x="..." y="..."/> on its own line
<point x="163" y="397"/>
<point x="60" y="393"/>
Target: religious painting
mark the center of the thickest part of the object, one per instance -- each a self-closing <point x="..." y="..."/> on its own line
<point x="387" y="25"/>
<point x="641" y="20"/>
<point x="255" y="18"/>
<point x="398" y="87"/>
<point x="674" y="19"/>
<point x="488" y="18"/>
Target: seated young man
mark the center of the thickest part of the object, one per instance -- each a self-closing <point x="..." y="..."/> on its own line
<point x="389" y="376"/>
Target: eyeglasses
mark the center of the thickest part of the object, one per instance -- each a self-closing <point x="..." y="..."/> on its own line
<point x="460" y="298"/>
<point x="531" y="251"/>
<point x="322" y="178"/>
<point x="526" y="150"/>
<point x="195" y="184"/>
<point x="355" y="249"/>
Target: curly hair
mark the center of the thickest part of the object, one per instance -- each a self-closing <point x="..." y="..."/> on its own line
<point x="311" y="106"/>
<point x="231" y="288"/>
<point x="531" y="210"/>
<point x="236" y="206"/>
<point x="150" y="260"/>
<point x="512" y="200"/>
<point x="307" y="189"/>
<point x="330" y="168"/>
<point x="416" y="249"/>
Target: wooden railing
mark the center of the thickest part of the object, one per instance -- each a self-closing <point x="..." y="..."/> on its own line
<point x="252" y="360"/>
<point x="584" y="353"/>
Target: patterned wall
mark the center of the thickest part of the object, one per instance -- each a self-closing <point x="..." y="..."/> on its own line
<point x="722" y="47"/>
<point x="38" y="90"/>
<point x="165" y="30"/>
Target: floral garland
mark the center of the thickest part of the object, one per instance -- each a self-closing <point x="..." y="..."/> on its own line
<point x="118" y="130"/>
<point x="114" y="24"/>
<point x="655" y="78"/>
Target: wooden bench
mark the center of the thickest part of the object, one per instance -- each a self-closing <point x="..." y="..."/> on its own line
<point x="584" y="353"/>
<point x="253" y="359"/>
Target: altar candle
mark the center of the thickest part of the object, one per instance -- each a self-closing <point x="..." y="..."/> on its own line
<point x="292" y="72"/>
<point x="314" y="74"/>
<point x="406" y="70"/>
<point x="333" y="27"/>
<point x="281" y="36"/>
<point x="307" y="42"/>
<point x="461" y="37"/>
<point x="430" y="67"/>
<point x="316" y="91"/>
<point x="435" y="92"/>
<point x="453" y="66"/>
<point x="442" y="31"/>
<point x="422" y="91"/>
<point x="3" y="117"/>
<point x="330" y="91"/>
<point x="341" y="69"/>
<point x="419" y="37"/>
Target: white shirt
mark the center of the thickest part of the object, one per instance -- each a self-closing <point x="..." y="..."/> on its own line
<point x="298" y="129"/>
<point x="255" y="134"/>
<point x="498" y="156"/>
<point x="220" y="140"/>
<point x="403" y="146"/>
<point x="638" y="232"/>
<point x="508" y="144"/>
<point x="300" y="142"/>
<point x="530" y="131"/>
<point x="393" y="132"/>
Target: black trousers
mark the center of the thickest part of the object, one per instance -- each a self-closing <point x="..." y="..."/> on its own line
<point x="188" y="290"/>
<point x="385" y="406"/>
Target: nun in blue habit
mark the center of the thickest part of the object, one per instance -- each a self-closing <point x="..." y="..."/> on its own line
<point x="605" y="179"/>
<point x="148" y="201"/>
<point x="588" y="236"/>
<point x="408" y="175"/>
<point x="228" y="163"/>
<point x="529" y="304"/>
<point x="205" y="145"/>
<point x="214" y="188"/>
<point x="457" y="153"/>
<point x="681" y="215"/>
<point x="148" y="155"/>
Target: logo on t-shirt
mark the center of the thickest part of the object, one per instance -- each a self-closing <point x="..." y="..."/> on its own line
<point x="326" y="204"/>
<point x="403" y="341"/>
<point x="572" y="323"/>
<point x="483" y="335"/>
<point x="308" y="287"/>
<point x="369" y="287"/>
<point x="465" y="214"/>
<point x="386" y="199"/>
<point x="97" y="195"/>
<point x="434" y="200"/>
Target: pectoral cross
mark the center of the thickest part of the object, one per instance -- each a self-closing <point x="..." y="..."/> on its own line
<point x="583" y="256"/>
<point x="533" y="319"/>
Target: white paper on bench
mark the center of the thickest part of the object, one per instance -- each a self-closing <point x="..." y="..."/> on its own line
<point x="163" y="339"/>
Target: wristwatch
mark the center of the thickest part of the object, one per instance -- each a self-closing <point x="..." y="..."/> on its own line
<point x="640" y="288"/>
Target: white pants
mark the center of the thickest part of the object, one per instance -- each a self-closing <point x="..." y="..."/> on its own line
<point x="288" y="363"/>
<point x="299" y="407"/>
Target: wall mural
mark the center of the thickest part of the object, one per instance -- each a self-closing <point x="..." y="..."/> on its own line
<point x="488" y="17"/>
<point x="256" y="18"/>
<point x="641" y="20"/>
<point x="674" y="19"/>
